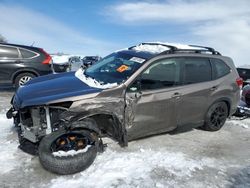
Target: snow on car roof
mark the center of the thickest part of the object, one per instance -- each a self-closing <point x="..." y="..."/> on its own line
<point x="158" y="47"/>
<point x="244" y="67"/>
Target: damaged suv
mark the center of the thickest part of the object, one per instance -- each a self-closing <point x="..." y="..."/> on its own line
<point x="144" y="90"/>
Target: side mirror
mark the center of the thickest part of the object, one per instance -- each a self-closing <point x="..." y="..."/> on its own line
<point x="136" y="86"/>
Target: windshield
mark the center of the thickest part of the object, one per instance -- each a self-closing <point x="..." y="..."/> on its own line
<point x="115" y="68"/>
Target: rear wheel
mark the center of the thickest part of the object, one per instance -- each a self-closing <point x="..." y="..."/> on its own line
<point x="216" y="117"/>
<point x="23" y="78"/>
<point x="64" y="152"/>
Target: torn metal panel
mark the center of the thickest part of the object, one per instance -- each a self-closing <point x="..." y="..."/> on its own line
<point x="113" y="106"/>
<point x="150" y="113"/>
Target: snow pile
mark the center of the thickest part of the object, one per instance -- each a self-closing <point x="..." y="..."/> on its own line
<point x="241" y="123"/>
<point x="130" y="169"/>
<point x="9" y="153"/>
<point x="70" y="152"/>
<point x="160" y="48"/>
<point x="92" y="82"/>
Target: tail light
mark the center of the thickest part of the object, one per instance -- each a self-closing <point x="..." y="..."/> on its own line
<point x="239" y="82"/>
<point x="48" y="58"/>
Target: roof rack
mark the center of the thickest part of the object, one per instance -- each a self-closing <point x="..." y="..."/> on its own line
<point x="213" y="51"/>
<point x="205" y="49"/>
<point x="174" y="49"/>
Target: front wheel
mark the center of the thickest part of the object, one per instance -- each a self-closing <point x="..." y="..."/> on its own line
<point x="216" y="117"/>
<point x="64" y="152"/>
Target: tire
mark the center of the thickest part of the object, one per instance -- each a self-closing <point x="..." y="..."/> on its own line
<point x="216" y="117"/>
<point x="22" y="78"/>
<point x="66" y="164"/>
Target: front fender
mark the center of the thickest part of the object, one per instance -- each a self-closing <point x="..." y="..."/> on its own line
<point x="86" y="123"/>
<point x="103" y="124"/>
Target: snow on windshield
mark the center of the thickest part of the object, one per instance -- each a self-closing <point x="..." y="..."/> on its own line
<point x="160" y="48"/>
<point x="92" y="82"/>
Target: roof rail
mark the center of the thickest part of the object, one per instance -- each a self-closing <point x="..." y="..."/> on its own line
<point x="213" y="51"/>
<point x="171" y="48"/>
<point x="205" y="49"/>
<point x="174" y="49"/>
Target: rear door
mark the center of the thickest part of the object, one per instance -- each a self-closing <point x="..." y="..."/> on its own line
<point x="151" y="104"/>
<point x="196" y="89"/>
<point x="9" y="62"/>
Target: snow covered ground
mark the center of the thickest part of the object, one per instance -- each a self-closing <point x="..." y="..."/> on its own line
<point x="192" y="158"/>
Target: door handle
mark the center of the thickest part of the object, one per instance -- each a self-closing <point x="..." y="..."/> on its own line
<point x="18" y="61"/>
<point x="213" y="88"/>
<point x="176" y="95"/>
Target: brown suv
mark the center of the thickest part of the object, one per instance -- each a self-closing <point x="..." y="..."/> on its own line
<point x="144" y="90"/>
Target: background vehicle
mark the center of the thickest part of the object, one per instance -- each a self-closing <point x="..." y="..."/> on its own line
<point x="19" y="64"/>
<point x="90" y="60"/>
<point x="65" y="63"/>
<point x="144" y="90"/>
<point x="244" y="73"/>
<point x="61" y="62"/>
<point x="243" y="109"/>
<point x="75" y="63"/>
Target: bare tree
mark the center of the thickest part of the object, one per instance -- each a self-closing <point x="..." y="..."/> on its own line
<point x="3" y="39"/>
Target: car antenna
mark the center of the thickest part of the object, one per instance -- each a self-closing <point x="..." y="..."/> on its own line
<point x="32" y="43"/>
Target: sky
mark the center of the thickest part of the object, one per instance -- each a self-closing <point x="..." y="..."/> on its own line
<point x="94" y="27"/>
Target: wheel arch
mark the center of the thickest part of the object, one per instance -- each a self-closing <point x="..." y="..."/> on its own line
<point x="223" y="99"/>
<point x="104" y="124"/>
<point x="14" y="76"/>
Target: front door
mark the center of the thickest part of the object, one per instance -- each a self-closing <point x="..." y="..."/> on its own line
<point x="151" y="99"/>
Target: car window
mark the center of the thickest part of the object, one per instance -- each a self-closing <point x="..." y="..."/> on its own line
<point x="115" y="68"/>
<point x="164" y="73"/>
<point x="196" y="70"/>
<point x="27" y="53"/>
<point x="220" y="68"/>
<point x="8" y="52"/>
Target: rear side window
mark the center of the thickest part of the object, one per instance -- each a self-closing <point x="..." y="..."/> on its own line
<point x="196" y="70"/>
<point x="27" y="53"/>
<point x="220" y="68"/>
<point x="8" y="52"/>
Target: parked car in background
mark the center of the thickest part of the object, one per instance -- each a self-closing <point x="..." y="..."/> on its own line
<point x="19" y="64"/>
<point x="66" y="63"/>
<point x="244" y="105"/>
<point x="75" y="63"/>
<point x="90" y="60"/>
<point x="61" y="62"/>
<point x="244" y="72"/>
<point x="147" y="89"/>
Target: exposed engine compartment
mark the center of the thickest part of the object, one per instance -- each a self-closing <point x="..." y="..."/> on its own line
<point x="36" y="122"/>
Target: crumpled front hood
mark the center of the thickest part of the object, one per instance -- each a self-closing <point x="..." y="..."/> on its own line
<point x="44" y="89"/>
